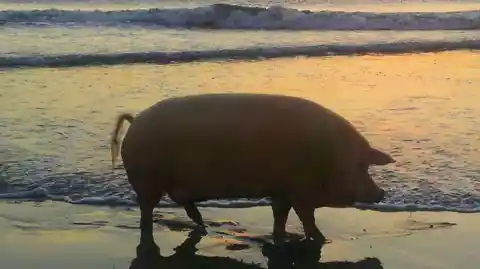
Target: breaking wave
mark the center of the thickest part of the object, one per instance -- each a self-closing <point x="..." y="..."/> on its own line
<point x="224" y="16"/>
<point x="71" y="60"/>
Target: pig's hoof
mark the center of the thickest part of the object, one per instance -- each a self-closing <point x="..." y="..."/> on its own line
<point x="279" y="243"/>
<point x="279" y="238"/>
<point x="201" y="229"/>
<point x="318" y="238"/>
<point x="148" y="250"/>
<point x="198" y="231"/>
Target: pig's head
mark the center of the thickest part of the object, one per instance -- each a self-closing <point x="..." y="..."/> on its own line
<point x="351" y="183"/>
<point x="364" y="187"/>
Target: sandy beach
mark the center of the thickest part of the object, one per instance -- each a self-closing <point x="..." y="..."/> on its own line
<point x="60" y="235"/>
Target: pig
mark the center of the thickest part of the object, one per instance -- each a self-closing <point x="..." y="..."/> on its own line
<point x="299" y="154"/>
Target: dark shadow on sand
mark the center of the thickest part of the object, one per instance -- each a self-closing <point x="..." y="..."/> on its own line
<point x="294" y="255"/>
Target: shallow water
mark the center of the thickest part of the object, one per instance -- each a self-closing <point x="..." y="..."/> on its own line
<point x="422" y="108"/>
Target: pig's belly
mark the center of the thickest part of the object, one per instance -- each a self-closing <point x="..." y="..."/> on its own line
<point x="183" y="193"/>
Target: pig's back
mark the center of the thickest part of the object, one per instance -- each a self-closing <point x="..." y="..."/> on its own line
<point x="239" y="114"/>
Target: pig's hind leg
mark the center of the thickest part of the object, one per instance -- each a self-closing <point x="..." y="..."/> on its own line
<point x="148" y="196"/>
<point x="281" y="208"/>
<point x="190" y="208"/>
<point x="306" y="214"/>
<point x="194" y="214"/>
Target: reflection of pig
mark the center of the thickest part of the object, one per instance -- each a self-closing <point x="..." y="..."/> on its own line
<point x="226" y="146"/>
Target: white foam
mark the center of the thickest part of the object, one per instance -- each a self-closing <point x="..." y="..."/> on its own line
<point x="222" y="16"/>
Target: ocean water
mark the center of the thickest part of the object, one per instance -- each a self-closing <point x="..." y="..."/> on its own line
<point x="405" y="72"/>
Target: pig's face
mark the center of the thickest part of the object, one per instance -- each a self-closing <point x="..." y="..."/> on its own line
<point x="366" y="190"/>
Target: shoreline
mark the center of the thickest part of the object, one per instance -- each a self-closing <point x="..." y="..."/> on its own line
<point x="60" y="235"/>
<point x="161" y="58"/>
<point x="227" y="204"/>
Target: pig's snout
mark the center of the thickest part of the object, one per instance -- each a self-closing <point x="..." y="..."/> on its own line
<point x="381" y="196"/>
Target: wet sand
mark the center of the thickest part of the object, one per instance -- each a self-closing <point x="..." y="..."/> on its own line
<point x="59" y="235"/>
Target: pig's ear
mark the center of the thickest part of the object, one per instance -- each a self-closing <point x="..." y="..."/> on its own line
<point x="377" y="157"/>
